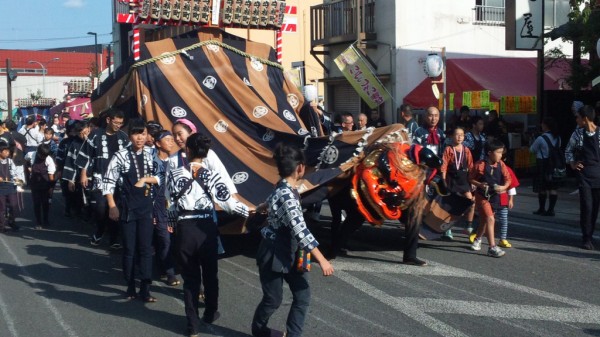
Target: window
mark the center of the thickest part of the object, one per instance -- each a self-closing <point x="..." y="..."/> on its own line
<point x="489" y="12"/>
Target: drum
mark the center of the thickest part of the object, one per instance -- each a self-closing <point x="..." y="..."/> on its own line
<point x="443" y="212"/>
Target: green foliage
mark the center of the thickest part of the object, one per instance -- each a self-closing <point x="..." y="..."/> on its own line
<point x="35" y="95"/>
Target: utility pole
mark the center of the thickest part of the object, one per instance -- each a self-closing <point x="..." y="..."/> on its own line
<point x="11" y="75"/>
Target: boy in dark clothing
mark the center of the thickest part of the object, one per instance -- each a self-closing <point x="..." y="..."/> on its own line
<point x="93" y="158"/>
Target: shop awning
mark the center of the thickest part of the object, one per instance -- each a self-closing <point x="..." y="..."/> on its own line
<point x="502" y="76"/>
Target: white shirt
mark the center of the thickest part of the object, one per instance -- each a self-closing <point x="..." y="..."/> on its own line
<point x="49" y="162"/>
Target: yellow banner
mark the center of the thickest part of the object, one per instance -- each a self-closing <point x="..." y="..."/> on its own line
<point x="361" y="77"/>
<point x="294" y="75"/>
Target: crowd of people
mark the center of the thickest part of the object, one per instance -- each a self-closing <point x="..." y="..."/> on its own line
<point x="140" y="185"/>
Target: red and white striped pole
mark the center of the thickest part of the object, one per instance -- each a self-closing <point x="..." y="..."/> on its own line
<point x="279" y="46"/>
<point x="136" y="42"/>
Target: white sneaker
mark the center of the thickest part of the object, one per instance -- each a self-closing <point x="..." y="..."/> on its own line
<point x="476" y="245"/>
<point x="495" y="252"/>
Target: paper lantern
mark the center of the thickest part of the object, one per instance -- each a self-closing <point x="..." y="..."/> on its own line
<point x="310" y="93"/>
<point x="433" y="65"/>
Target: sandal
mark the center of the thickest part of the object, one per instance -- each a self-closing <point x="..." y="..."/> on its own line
<point x="149" y="299"/>
<point x="173" y="282"/>
<point x="130" y="297"/>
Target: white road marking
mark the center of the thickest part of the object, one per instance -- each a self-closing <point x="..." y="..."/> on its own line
<point x="10" y="323"/>
<point x="318" y="300"/>
<point x="33" y="283"/>
<point x="419" y="308"/>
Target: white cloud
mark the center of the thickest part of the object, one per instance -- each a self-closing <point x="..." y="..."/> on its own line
<point x="73" y="3"/>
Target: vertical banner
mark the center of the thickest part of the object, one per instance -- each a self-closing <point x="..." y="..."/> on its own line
<point x="361" y="77"/>
<point x="451" y="101"/>
<point x="524" y="21"/>
<point x="466" y="98"/>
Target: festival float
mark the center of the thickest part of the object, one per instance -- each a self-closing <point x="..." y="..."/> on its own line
<point x="236" y="92"/>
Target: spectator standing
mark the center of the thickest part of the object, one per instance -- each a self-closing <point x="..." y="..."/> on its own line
<point x="375" y="119"/>
<point x="475" y="139"/>
<point x="464" y="118"/>
<point x="32" y="134"/>
<point x="285" y="235"/>
<point x="362" y="121"/>
<point x="347" y="122"/>
<point x="492" y="127"/>
<point x="543" y="185"/>
<point x="583" y="155"/>
<point x="407" y="118"/>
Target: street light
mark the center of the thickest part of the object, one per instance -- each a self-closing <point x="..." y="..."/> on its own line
<point x="434" y="66"/>
<point x="43" y="72"/>
<point x="95" y="50"/>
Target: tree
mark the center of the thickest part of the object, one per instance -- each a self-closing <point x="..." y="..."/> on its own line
<point x="583" y="29"/>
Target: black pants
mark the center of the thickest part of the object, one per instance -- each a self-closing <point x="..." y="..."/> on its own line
<point x="272" y="287"/>
<point x="137" y="241"/>
<point x="162" y="241"/>
<point x="41" y="205"/>
<point x="8" y="200"/>
<point x="589" y="202"/>
<point x="196" y="247"/>
<point x="103" y="223"/>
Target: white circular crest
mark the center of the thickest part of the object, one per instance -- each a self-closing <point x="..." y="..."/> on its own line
<point x="247" y="82"/>
<point x="331" y="155"/>
<point x="210" y="82"/>
<point x="168" y="60"/>
<point x="289" y="115"/>
<point x="260" y="111"/>
<point x="178" y="112"/>
<point x="240" y="177"/>
<point x="256" y="64"/>
<point x="293" y="100"/>
<point x="213" y="48"/>
<point x="221" y="126"/>
<point x="268" y="136"/>
<point x="303" y="132"/>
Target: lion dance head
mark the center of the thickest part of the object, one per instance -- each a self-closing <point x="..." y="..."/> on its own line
<point x="391" y="178"/>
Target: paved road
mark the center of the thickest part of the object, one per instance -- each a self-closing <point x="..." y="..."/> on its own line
<point x="53" y="283"/>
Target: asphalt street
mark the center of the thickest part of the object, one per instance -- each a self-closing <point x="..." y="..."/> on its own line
<point x="53" y="283"/>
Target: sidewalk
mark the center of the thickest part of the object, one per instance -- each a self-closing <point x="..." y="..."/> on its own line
<point x="566" y="210"/>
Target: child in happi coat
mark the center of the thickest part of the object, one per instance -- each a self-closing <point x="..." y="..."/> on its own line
<point x="491" y="178"/>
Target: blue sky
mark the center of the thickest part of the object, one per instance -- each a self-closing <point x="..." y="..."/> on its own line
<point x="42" y="24"/>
